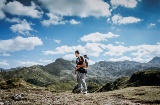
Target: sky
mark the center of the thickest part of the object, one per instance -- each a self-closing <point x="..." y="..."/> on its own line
<point x="40" y="31"/>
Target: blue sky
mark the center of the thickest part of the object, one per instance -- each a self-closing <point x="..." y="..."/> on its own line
<point x="39" y="31"/>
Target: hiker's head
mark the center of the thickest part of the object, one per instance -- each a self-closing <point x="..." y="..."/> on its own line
<point x="77" y="53"/>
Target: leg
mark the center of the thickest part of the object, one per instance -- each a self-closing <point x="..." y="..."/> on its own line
<point x="83" y="81"/>
<point x="79" y="81"/>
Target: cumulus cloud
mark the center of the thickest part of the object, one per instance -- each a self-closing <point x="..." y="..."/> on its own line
<point x="45" y="61"/>
<point x="124" y="3"/>
<point x="117" y="50"/>
<point x="4" y="63"/>
<point x="13" y="20"/>
<point x="22" y="27"/>
<point x="92" y="49"/>
<point x="140" y="53"/>
<point x="53" y="20"/>
<point x="118" y="19"/>
<point x="72" y="21"/>
<point x="16" y="8"/>
<point x="151" y="25"/>
<point x="57" y="41"/>
<point x="147" y="51"/>
<point x="69" y="56"/>
<point x="64" y="50"/>
<point x="80" y="8"/>
<point x="2" y="4"/>
<point x="6" y="54"/>
<point x="123" y="58"/>
<point x="19" y="43"/>
<point x="119" y="42"/>
<point x="97" y="37"/>
<point x="26" y="63"/>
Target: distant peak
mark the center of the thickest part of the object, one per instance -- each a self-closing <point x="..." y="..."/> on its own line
<point x="59" y="59"/>
<point x="155" y="60"/>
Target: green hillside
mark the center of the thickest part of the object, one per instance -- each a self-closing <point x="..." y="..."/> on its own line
<point x="141" y="78"/>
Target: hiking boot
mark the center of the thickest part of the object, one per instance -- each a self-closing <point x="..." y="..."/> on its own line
<point x="85" y="92"/>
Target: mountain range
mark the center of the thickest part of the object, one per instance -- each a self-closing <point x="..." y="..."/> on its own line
<point x="62" y="71"/>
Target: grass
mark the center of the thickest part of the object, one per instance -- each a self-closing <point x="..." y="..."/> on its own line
<point x="127" y="96"/>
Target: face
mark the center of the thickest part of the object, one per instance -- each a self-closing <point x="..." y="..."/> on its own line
<point x="76" y="54"/>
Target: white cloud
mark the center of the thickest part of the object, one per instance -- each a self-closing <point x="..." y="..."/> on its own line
<point x="151" y="25"/>
<point x="4" y="63"/>
<point x="65" y="50"/>
<point x="53" y="20"/>
<point x="57" y="41"/>
<point x="119" y="42"/>
<point x="90" y="62"/>
<point x="147" y="51"/>
<point x="16" y="8"/>
<point x="118" y="19"/>
<point x="80" y="8"/>
<point x="97" y="37"/>
<point x="2" y="4"/>
<point x="93" y="49"/>
<point x="73" y="57"/>
<point x="72" y="21"/>
<point x="69" y="56"/>
<point x="117" y="50"/>
<point x="19" y="43"/>
<point x="13" y="20"/>
<point x="26" y="63"/>
<point x="108" y="19"/>
<point x="123" y="58"/>
<point x="124" y="3"/>
<point x="45" y="61"/>
<point x="23" y="27"/>
<point x="6" y="54"/>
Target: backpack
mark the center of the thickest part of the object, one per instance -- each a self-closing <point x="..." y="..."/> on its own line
<point x="84" y="70"/>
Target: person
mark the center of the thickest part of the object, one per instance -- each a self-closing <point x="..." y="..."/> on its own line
<point x="79" y="72"/>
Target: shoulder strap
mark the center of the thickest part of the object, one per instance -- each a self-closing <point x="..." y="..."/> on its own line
<point x="80" y="58"/>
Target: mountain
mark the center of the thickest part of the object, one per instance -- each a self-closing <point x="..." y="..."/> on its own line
<point x="121" y="68"/>
<point x="35" y="75"/>
<point x="155" y="60"/>
<point x="61" y="72"/>
<point x="1" y="69"/>
<point x="58" y="66"/>
<point x="140" y="78"/>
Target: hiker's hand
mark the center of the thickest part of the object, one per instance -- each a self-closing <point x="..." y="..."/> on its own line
<point x="77" y="68"/>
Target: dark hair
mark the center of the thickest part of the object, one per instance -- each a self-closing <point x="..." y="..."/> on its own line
<point x="77" y="52"/>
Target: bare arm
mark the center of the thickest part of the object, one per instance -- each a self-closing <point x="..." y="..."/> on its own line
<point x="79" y="66"/>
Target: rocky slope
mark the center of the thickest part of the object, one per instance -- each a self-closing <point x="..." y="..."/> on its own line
<point x="38" y="96"/>
<point x="121" y="68"/>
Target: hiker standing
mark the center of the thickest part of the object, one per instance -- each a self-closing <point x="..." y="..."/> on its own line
<point x="80" y="72"/>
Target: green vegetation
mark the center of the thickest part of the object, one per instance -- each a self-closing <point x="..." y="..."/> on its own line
<point x="145" y="78"/>
<point x="93" y="87"/>
<point x="117" y="84"/>
<point x="141" y="78"/>
<point x="14" y="83"/>
<point x="56" y="67"/>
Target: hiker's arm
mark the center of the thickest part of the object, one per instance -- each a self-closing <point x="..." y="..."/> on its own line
<point x="82" y="65"/>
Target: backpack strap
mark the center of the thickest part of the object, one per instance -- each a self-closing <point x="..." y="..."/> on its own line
<point x="80" y="58"/>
